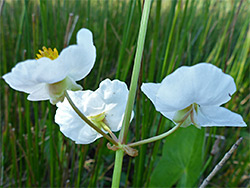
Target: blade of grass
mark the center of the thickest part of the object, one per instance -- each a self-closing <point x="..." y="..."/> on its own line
<point x="152" y="65"/>
<point x="169" y="42"/>
<point x="43" y="7"/>
<point x="125" y="37"/>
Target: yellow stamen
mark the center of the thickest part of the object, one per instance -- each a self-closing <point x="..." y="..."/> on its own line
<point x="98" y="117"/>
<point x="99" y="121"/>
<point x="49" y="53"/>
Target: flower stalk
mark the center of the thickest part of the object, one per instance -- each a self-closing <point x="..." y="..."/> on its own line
<point x="136" y="70"/>
<point x="155" y="138"/>
<point x="117" y="168"/>
<point x="132" y="92"/>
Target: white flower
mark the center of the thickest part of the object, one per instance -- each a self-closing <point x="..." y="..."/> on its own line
<point x="105" y="106"/>
<point x="193" y="95"/>
<point x="50" y="75"/>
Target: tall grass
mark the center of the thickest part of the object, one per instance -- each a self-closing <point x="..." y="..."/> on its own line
<point x="35" y="153"/>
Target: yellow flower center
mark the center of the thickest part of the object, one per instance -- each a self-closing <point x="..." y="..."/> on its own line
<point x="57" y="90"/>
<point x="49" y="53"/>
<point x="99" y="121"/>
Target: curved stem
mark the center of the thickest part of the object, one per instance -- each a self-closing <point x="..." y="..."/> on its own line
<point x="155" y="138"/>
<point x="84" y="118"/>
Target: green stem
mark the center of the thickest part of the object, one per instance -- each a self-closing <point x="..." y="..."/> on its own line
<point x="136" y="71"/>
<point x="117" y="168"/>
<point x="155" y="138"/>
<point x="132" y="92"/>
<point x="84" y="118"/>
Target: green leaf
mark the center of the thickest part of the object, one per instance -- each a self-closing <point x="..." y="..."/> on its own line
<point x="181" y="160"/>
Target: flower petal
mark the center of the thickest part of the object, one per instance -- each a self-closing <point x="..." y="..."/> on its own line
<point x="71" y="125"/>
<point x="45" y="70"/>
<point x="89" y="102"/>
<point x="115" y="96"/>
<point x="84" y="37"/>
<point x="169" y="115"/>
<point x="218" y="116"/>
<point x="113" y="91"/>
<point x="93" y="105"/>
<point x="87" y="136"/>
<point x="20" y="82"/>
<point x="151" y="90"/>
<point x="80" y="57"/>
<point x="214" y="87"/>
<point x="39" y="94"/>
<point x="175" y="92"/>
<point x="204" y="84"/>
<point x="26" y="75"/>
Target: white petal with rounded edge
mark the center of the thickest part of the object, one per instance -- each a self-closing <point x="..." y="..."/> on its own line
<point x="26" y="75"/>
<point x="115" y="96"/>
<point x="43" y="70"/>
<point x="169" y="115"/>
<point x="113" y="91"/>
<point x="211" y="86"/>
<point x="218" y="116"/>
<point x="151" y="90"/>
<point x="93" y="105"/>
<point x="87" y="135"/>
<point x="204" y="84"/>
<point x="80" y="57"/>
<point x="40" y="94"/>
<point x="89" y="102"/>
<point x="84" y="37"/>
<point x="175" y="93"/>
<point x="71" y="125"/>
<point x="20" y="83"/>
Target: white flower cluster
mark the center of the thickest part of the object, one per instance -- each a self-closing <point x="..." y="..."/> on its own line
<point x="190" y="95"/>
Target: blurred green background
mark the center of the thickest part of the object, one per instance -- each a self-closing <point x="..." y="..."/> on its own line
<point x="34" y="153"/>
